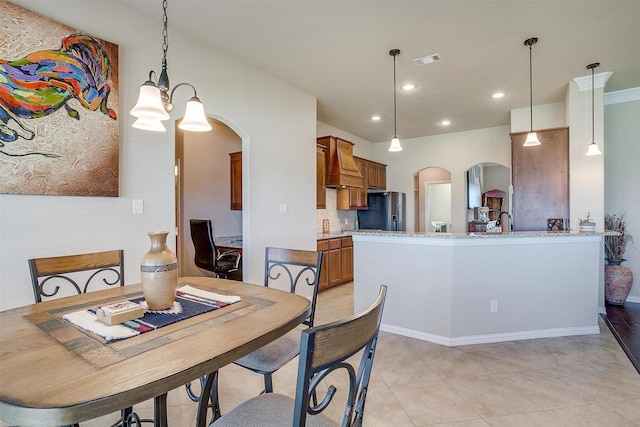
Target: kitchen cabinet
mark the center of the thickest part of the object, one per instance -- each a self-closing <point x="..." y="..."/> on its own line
<point x="346" y="255"/>
<point x="321" y="177"/>
<point x="376" y="175"/>
<point x="236" y="180"/>
<point x="337" y="261"/>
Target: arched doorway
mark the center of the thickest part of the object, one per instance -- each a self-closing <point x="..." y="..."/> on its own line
<point x="203" y="187"/>
<point x="433" y="200"/>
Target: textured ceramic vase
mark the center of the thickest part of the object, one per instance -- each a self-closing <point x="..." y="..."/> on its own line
<point x="617" y="282"/>
<point x="159" y="273"/>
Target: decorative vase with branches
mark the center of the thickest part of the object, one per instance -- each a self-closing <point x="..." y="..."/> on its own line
<point x="617" y="279"/>
<point x="615" y="246"/>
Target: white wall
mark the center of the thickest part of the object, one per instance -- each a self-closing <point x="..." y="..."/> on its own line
<point x="621" y="177"/>
<point x="276" y="122"/>
<point x="455" y="152"/>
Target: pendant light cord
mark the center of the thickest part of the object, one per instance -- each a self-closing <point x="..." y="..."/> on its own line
<point x="530" y="89"/>
<point x="395" y="108"/>
<point x="165" y="34"/>
<point x="593" y="114"/>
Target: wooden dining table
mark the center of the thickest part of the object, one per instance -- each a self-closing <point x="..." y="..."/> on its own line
<point x="54" y="373"/>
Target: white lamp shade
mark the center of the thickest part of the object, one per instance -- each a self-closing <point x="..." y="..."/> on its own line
<point x="593" y="150"/>
<point x="194" y="118"/>
<point x="149" y="124"/>
<point x="532" y="140"/>
<point x="149" y="105"/>
<point x="395" y="144"/>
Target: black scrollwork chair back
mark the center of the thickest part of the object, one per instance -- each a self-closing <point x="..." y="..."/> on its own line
<point x="324" y="350"/>
<point x="76" y="274"/>
<point x="297" y="271"/>
<point x="207" y="255"/>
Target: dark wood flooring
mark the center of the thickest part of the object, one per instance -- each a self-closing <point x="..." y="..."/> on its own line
<point x="624" y="322"/>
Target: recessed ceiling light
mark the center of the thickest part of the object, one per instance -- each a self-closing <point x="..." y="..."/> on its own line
<point x="445" y="122"/>
<point x="408" y="86"/>
<point x="497" y="95"/>
<point x="427" y="59"/>
<point x="375" y="118"/>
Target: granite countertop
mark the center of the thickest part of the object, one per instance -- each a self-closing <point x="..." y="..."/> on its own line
<point x="512" y="234"/>
<point x="229" y="241"/>
<point x="324" y="236"/>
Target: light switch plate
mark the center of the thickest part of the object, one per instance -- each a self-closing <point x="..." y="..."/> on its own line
<point x="138" y="206"/>
<point x="283" y="208"/>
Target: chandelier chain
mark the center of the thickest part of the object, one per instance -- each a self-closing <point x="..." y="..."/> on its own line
<point x="165" y="33"/>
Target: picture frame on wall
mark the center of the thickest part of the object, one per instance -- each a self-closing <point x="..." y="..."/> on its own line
<point x="59" y="102"/>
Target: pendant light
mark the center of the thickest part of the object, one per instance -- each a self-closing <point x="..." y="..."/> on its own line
<point x="532" y="138"/>
<point x="154" y="102"/>
<point x="395" y="142"/>
<point x="593" y="149"/>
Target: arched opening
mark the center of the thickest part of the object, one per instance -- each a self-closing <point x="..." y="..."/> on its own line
<point x="488" y="196"/>
<point x="202" y="187"/>
<point x="433" y="200"/>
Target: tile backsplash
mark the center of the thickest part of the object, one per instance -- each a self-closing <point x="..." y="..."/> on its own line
<point x="339" y="220"/>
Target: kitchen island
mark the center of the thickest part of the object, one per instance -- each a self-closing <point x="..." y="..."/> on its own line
<point x="467" y="288"/>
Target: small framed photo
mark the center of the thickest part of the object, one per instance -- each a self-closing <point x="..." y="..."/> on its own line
<point x="555" y="224"/>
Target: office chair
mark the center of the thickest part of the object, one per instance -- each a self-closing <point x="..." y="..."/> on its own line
<point x="207" y="255"/>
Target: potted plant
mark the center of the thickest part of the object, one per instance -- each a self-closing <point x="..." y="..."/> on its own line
<point x="617" y="279"/>
<point x="587" y="224"/>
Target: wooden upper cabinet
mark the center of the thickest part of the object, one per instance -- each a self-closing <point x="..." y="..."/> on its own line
<point x="321" y="177"/>
<point x="342" y="170"/>
<point x="236" y="180"/>
<point x="540" y="178"/>
<point x="377" y="174"/>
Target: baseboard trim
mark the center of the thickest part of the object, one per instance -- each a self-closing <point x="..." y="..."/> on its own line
<point x="633" y="299"/>
<point x="490" y="338"/>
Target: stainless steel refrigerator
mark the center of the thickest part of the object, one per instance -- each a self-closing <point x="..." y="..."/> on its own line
<point x="385" y="211"/>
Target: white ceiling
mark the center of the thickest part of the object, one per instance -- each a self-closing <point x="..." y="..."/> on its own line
<point x="338" y="51"/>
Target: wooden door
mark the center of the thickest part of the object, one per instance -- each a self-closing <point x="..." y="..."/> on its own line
<point x="540" y="177"/>
<point x="347" y="259"/>
<point x="321" y="174"/>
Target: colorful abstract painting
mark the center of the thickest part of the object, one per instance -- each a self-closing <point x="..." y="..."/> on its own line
<point x="59" y="99"/>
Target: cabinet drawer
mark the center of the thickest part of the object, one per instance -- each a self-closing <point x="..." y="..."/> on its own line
<point x="346" y="241"/>
<point x="334" y="244"/>
<point x="323" y="245"/>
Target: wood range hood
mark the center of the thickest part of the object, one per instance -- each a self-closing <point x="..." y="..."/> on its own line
<point x="342" y="170"/>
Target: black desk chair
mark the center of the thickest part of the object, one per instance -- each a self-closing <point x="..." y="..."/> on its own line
<point x="207" y="255"/>
<point x="323" y="350"/>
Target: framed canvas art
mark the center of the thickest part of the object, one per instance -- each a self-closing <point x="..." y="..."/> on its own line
<point x="59" y="132"/>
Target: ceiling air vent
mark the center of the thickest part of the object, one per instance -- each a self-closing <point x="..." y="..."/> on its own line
<point x="427" y="59"/>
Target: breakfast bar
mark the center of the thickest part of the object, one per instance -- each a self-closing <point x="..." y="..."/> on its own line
<point x="467" y="288"/>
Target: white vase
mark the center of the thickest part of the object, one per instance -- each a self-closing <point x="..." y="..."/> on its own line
<point x="159" y="273"/>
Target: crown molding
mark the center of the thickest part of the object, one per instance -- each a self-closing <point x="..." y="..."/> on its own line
<point x="599" y="80"/>
<point x="625" y="95"/>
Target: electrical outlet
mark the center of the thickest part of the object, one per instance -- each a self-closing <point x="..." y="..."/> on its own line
<point x="494" y="305"/>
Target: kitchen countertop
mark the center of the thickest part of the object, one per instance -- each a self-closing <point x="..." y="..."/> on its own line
<point x="229" y="241"/>
<point x="511" y="234"/>
<point x="324" y="236"/>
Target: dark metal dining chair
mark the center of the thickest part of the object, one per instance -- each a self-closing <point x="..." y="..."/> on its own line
<point x="207" y="256"/>
<point x="288" y="269"/>
<point x="323" y="350"/>
<point x="291" y="270"/>
<point x="75" y="273"/>
<point x="58" y="276"/>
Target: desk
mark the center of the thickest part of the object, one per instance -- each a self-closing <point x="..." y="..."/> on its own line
<point x="53" y="374"/>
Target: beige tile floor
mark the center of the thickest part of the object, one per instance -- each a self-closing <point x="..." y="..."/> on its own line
<point x="571" y="381"/>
